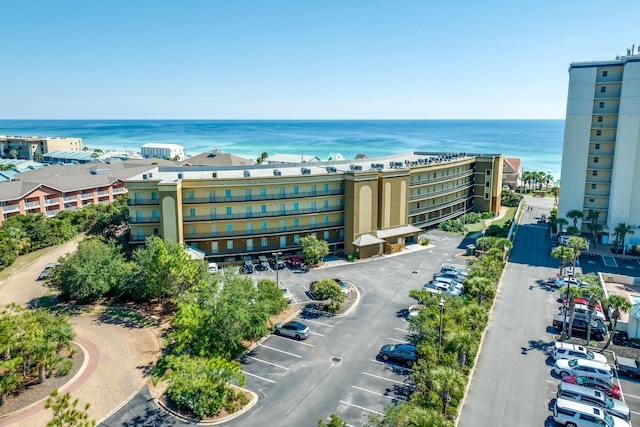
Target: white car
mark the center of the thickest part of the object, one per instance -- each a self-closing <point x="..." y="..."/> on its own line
<point x="47" y="270"/>
<point x="573" y="351"/>
<point x="583" y="367"/>
<point x="564" y="281"/>
<point x="213" y="268"/>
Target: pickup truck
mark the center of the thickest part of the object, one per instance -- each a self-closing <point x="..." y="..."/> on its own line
<point x="627" y="366"/>
<point x="598" y="329"/>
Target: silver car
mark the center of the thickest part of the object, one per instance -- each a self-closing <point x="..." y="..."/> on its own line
<point x="295" y="330"/>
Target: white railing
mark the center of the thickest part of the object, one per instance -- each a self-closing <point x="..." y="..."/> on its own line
<point x="10" y="208"/>
<point x="31" y="205"/>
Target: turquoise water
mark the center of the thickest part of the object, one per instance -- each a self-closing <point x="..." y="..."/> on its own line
<point x="537" y="142"/>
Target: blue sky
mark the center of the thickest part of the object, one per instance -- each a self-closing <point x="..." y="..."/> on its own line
<point x="297" y="59"/>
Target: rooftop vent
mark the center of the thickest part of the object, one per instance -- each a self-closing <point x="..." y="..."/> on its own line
<point x="214" y="174"/>
<point x="305" y="171"/>
<point x="355" y="167"/>
<point x="145" y="176"/>
<point x="331" y="169"/>
<point x="378" y="166"/>
<point x="246" y="173"/>
<point x="179" y="176"/>
<point x="276" y="172"/>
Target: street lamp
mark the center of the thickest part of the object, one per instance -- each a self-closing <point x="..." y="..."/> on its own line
<point x="564" y="335"/>
<point x="275" y="254"/>
<point x="441" y="305"/>
<point x="483" y="231"/>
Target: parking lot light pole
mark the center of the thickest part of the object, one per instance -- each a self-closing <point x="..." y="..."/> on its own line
<point x="483" y="231"/>
<point x="275" y="254"/>
<point x="566" y="308"/>
<point x="441" y="305"/>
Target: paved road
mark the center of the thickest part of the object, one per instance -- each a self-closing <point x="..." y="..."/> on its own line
<point x="335" y="370"/>
<point x="509" y="385"/>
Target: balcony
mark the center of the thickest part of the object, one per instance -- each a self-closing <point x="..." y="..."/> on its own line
<point x="103" y="193"/>
<point x="31" y="205"/>
<point x="10" y="208"/>
<point x="143" y="202"/>
<point x="440" y="179"/>
<point x="609" y="94"/>
<point x="598" y="193"/>
<point x="257" y="198"/>
<point x="49" y="202"/>
<point x="604" y="125"/>
<point x="118" y="190"/>
<point x="262" y="231"/>
<point x="606" y="152"/>
<point x="438" y="206"/>
<point x="145" y="220"/>
<point x="53" y="213"/>
<point x="69" y="198"/>
<point x="440" y="192"/>
<point x="435" y="221"/>
<point x="250" y="215"/>
<point x="257" y="250"/>
<point x="600" y="166"/>
<point x="85" y="196"/>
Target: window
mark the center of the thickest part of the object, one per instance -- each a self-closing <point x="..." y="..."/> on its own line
<point x="247" y="194"/>
<point x="486" y="184"/>
<point x="599" y="119"/>
<point x="154" y="195"/>
<point x="601" y="105"/>
<point x="326" y="188"/>
<point x="295" y="206"/>
<point x="227" y="193"/>
<point x="603" y="89"/>
<point x="597" y="146"/>
<point x="263" y="225"/>
<point x="598" y="132"/>
<point x="604" y="73"/>
<point x="594" y="173"/>
<point x="296" y="238"/>
<point x="283" y="241"/>
<point x="295" y="189"/>
<point x="593" y="186"/>
<point x="249" y="228"/>
<point x="486" y="196"/>
<point x="192" y="212"/>
<point x="296" y="222"/>
<point x="326" y="219"/>
<point x="229" y="228"/>
<point x="228" y="210"/>
<point x="263" y="241"/>
<point x="192" y="229"/>
<point x="229" y="244"/>
<point x="283" y="225"/>
<point x="190" y="195"/>
<point x="263" y="209"/>
<point x="263" y="191"/>
<point x="249" y="244"/>
<point x="326" y="204"/>
<point x="488" y="172"/>
<point x="596" y="160"/>
<point x="592" y="200"/>
<point x="282" y="192"/>
<point x="326" y="235"/>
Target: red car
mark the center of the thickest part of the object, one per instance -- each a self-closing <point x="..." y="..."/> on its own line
<point x="608" y="388"/>
<point x="294" y="261"/>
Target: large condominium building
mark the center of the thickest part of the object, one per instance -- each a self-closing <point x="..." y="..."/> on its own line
<point x="365" y="206"/>
<point x="163" y="151"/>
<point x="601" y="156"/>
<point x="32" y="147"/>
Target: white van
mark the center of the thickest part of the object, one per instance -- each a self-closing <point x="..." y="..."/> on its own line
<point x="568" y="412"/>
<point x="589" y="396"/>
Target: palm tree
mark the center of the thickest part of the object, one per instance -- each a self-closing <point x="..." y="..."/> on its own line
<point x="446" y="380"/>
<point x="593" y="294"/>
<point x="526" y="179"/>
<point x="421" y="417"/>
<point x="620" y="232"/>
<point x="547" y="179"/>
<point x="480" y="287"/>
<point x="563" y="253"/>
<point x="476" y="316"/>
<point x="38" y="156"/>
<point x="559" y="224"/>
<point x="572" y="230"/>
<point x="555" y="191"/>
<point x="464" y="343"/>
<point x="595" y="229"/>
<point x="618" y="304"/>
<point x="9" y="382"/>
<point x="575" y="215"/>
<point x="14" y="154"/>
<point x="576" y="244"/>
<point x="570" y="293"/>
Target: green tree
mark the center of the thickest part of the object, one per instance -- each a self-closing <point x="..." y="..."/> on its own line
<point x="313" y="249"/>
<point x="575" y="215"/>
<point x="476" y="317"/>
<point x="618" y="304"/>
<point x="9" y="382"/>
<point x="595" y="230"/>
<point x="593" y="294"/>
<point x="570" y="293"/>
<point x="464" y="343"/>
<point x="328" y="289"/>
<point x="559" y="224"/>
<point x="408" y="415"/>
<point x="562" y="253"/>
<point x="572" y="230"/>
<point x="14" y="154"/>
<point x="446" y="380"/>
<point x="90" y="273"/>
<point x="620" y="232"/>
<point x="480" y="288"/>
<point x="576" y="244"/>
<point x="200" y="384"/>
<point x="66" y="412"/>
<point x="334" y="421"/>
<point x="556" y="192"/>
<point x="37" y="156"/>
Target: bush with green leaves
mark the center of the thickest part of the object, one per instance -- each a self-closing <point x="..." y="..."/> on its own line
<point x="452" y="226"/>
<point x="313" y="249"/>
<point x="510" y="198"/>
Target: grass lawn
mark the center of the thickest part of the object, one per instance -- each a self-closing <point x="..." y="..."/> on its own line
<point x="479" y="226"/>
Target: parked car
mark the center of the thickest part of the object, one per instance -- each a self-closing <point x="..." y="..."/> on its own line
<point x="442" y="287"/>
<point x="286" y="294"/>
<point x="570" y="413"/>
<point x="583" y="367"/>
<point x="598" y="328"/>
<point x="47" y="270"/>
<point x="247" y="267"/>
<point x="296" y="330"/>
<point x="451" y="282"/>
<point x="608" y="388"/>
<point x="563" y="350"/>
<point x="629" y="367"/>
<point x="593" y="397"/>
<point x="263" y="263"/>
<point x="294" y="261"/>
<point x="564" y="281"/>
<point x="212" y="268"/>
<point x="404" y="353"/>
<point x="344" y="290"/>
<point x="581" y="311"/>
<point x="277" y="265"/>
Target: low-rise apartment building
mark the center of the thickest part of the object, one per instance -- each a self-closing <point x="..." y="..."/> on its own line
<point x="365" y="206"/>
<point x="32" y="147"/>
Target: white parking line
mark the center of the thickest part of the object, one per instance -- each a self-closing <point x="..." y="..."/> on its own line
<point x="383" y="378"/>
<point x="314" y="333"/>
<point x="297" y="342"/>
<point x="397" y="340"/>
<point x="379" y="394"/>
<point x="317" y="323"/>
<point x="631" y="395"/>
<point x="392" y="364"/>
<point x="281" y="351"/>
<point x="401" y="330"/>
<point x="256" y="376"/>
<point x="634" y="412"/>
<point x="361" y="407"/>
<point x="268" y="363"/>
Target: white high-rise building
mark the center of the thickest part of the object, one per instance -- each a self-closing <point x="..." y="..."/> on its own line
<point x="601" y="155"/>
<point x="163" y="151"/>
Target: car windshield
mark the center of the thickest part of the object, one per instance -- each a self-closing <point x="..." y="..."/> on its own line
<point x="608" y="401"/>
<point x="608" y="419"/>
<point x="581" y="380"/>
<point x="590" y="354"/>
<point x="393" y="347"/>
<point x="573" y="362"/>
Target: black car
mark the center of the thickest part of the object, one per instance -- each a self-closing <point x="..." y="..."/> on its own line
<point x="598" y="329"/>
<point x="247" y="267"/>
<point x="404" y="353"/>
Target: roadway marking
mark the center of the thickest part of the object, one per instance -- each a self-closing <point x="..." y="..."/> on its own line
<point x="631" y="395"/>
<point x="268" y="363"/>
<point x="383" y="378"/>
<point x="297" y="342"/>
<point x="609" y="261"/>
<point x="395" y="339"/>
<point x="379" y="394"/>
<point x="281" y="351"/>
<point x="314" y="333"/>
<point x="317" y="323"/>
<point x="401" y="330"/>
<point x="392" y="364"/>
<point x="361" y="407"/>
<point x="259" y="377"/>
<point x="634" y="412"/>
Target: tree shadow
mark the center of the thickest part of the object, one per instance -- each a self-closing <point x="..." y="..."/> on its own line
<point x="538" y="345"/>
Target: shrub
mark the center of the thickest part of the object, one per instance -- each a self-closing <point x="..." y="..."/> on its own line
<point x="352" y="257"/>
<point x="452" y="226"/>
<point x="471" y="218"/>
<point x="425" y="242"/>
<point x="65" y="368"/>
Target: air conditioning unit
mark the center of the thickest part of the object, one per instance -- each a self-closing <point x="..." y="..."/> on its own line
<point x="214" y="174"/>
<point x="305" y="171"/>
<point x="150" y="175"/>
<point x="179" y="176"/>
<point x="247" y="173"/>
<point x="145" y="176"/>
<point x="355" y="167"/>
<point x="331" y="169"/>
<point x="276" y="172"/>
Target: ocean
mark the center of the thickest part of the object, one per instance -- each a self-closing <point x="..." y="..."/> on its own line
<point x="538" y="143"/>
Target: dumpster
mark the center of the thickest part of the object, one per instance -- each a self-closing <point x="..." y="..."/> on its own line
<point x="471" y="250"/>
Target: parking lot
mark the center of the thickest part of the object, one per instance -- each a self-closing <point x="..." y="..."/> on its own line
<point x="336" y="369"/>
